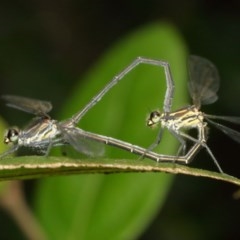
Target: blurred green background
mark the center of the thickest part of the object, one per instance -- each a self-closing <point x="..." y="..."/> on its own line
<point x="46" y="47"/>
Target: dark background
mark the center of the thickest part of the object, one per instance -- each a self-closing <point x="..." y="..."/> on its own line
<point x="45" y="46"/>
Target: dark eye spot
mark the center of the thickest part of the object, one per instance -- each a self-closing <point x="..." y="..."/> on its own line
<point x="11" y="136"/>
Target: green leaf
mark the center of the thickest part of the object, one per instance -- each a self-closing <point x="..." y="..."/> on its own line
<point x="28" y="167"/>
<point x="117" y="206"/>
<point x="3" y="147"/>
<point x="3" y="127"/>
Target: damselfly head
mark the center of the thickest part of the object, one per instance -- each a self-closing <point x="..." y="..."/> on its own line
<point x="153" y="119"/>
<point x="11" y="136"/>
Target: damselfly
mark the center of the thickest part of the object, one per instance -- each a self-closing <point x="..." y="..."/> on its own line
<point x="203" y="86"/>
<point x="43" y="132"/>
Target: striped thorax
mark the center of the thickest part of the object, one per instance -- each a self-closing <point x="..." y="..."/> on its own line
<point x="39" y="133"/>
<point x="188" y="117"/>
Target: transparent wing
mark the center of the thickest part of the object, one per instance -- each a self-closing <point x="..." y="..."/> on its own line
<point x="28" y="105"/>
<point x="235" y="135"/>
<point x="224" y="118"/>
<point x="204" y="81"/>
<point x="76" y="138"/>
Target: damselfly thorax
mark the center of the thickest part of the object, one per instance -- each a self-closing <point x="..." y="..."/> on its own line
<point x="187" y="118"/>
<point x="41" y="132"/>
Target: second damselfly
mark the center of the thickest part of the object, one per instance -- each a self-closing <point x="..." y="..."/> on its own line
<point x="203" y="86"/>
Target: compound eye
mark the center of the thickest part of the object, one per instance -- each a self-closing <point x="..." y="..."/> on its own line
<point x="11" y="136"/>
<point x="154" y="118"/>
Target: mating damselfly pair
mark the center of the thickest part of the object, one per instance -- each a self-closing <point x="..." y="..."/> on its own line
<point x="43" y="132"/>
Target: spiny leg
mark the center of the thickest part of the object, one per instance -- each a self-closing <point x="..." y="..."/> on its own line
<point x="49" y="146"/>
<point x="155" y="144"/>
<point x="157" y="141"/>
<point x="182" y="148"/>
<point x="9" y="151"/>
<point x="212" y="156"/>
<point x="200" y="142"/>
<point x="53" y="143"/>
